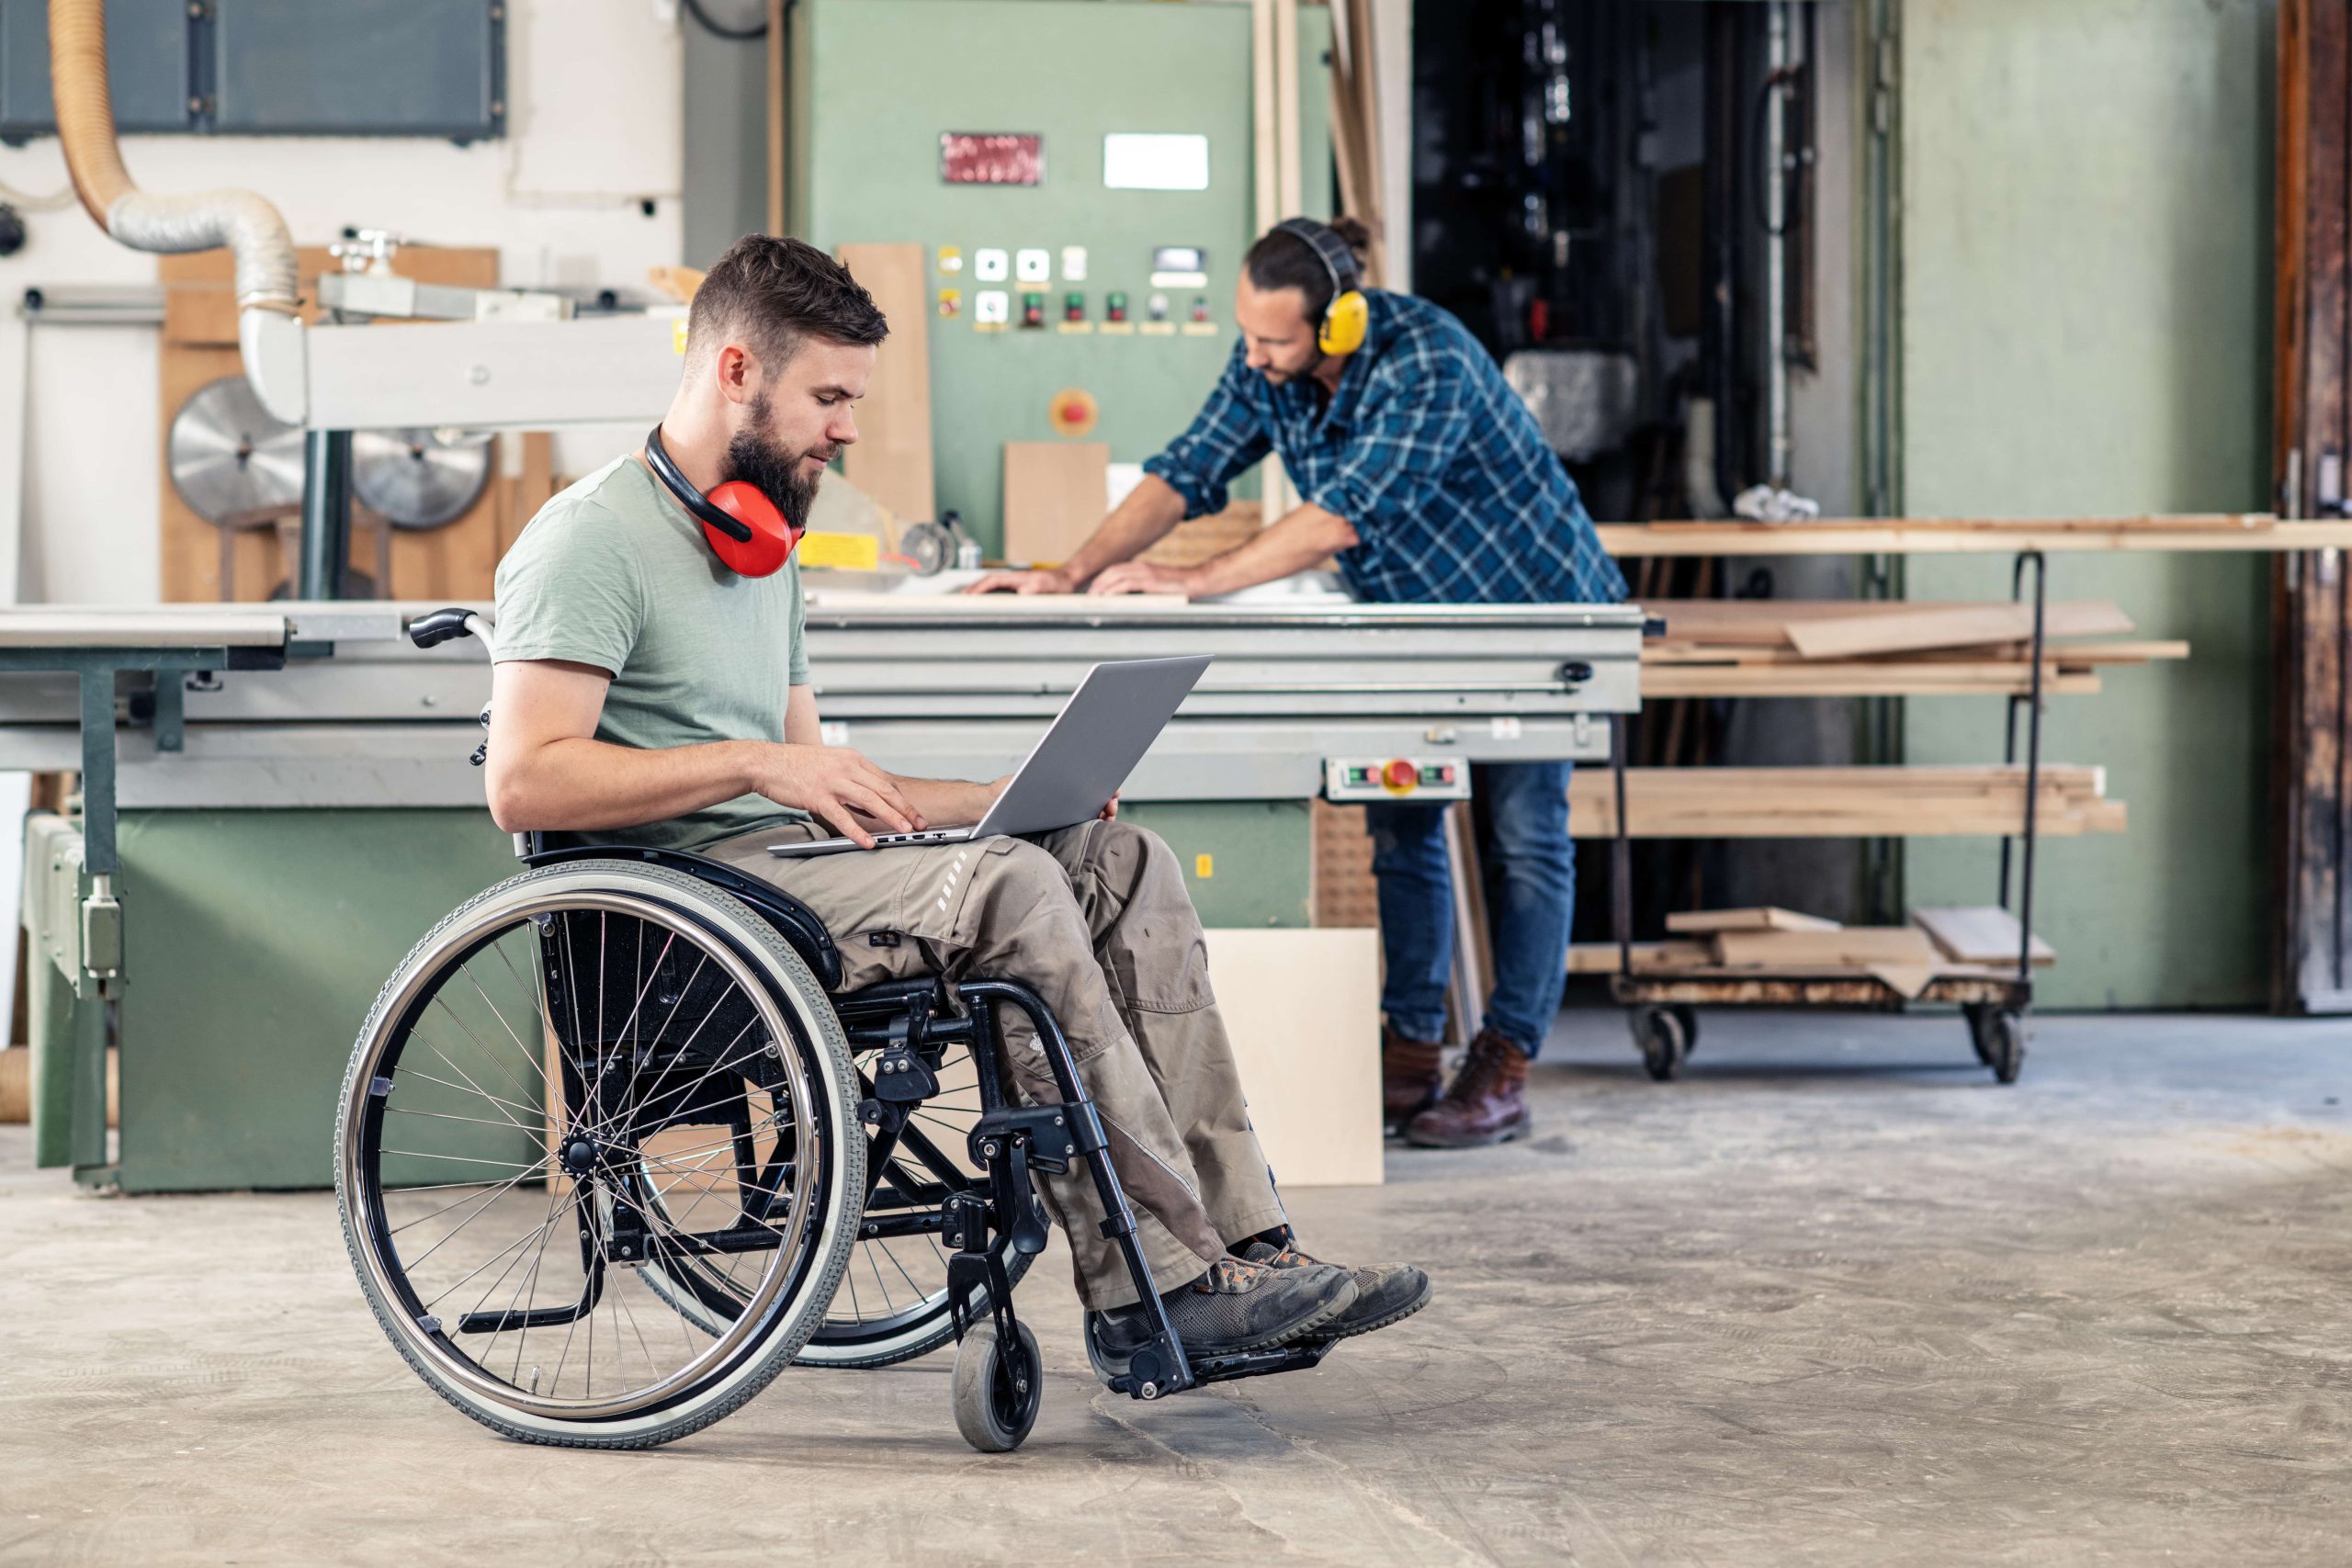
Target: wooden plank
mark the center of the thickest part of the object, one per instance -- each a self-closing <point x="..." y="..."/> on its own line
<point x="1849" y="946"/>
<point x="1763" y="919"/>
<point x="1864" y="802"/>
<point x="1898" y="629"/>
<point x="1300" y="1007"/>
<point x="1881" y="679"/>
<point x="1865" y="536"/>
<point x="1188" y="544"/>
<point x="891" y="460"/>
<point x="1056" y="493"/>
<point x="1983" y="935"/>
<point x="1649" y="957"/>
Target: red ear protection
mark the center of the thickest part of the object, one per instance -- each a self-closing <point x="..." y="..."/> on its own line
<point x="743" y="525"/>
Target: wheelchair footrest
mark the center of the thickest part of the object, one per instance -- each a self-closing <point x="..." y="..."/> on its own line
<point x="1223" y="1368"/>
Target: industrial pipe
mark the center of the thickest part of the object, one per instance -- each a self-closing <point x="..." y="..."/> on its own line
<point x="268" y="330"/>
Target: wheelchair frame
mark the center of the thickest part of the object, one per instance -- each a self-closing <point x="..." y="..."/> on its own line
<point x="912" y="1023"/>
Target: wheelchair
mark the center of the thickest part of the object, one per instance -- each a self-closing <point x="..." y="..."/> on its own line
<point x="614" y="1148"/>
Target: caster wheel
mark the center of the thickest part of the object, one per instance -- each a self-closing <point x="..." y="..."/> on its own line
<point x="997" y="1388"/>
<point x="2003" y="1046"/>
<point x="1660" y="1036"/>
<point x="1689" y="1018"/>
<point x="1978" y="1014"/>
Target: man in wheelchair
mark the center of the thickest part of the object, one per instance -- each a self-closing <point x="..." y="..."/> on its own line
<point x="652" y="689"/>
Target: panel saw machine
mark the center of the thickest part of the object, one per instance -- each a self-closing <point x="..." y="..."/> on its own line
<point x="277" y="798"/>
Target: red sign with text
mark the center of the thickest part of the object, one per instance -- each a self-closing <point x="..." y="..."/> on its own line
<point x="990" y="158"/>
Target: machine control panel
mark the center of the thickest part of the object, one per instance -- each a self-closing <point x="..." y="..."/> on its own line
<point x="1361" y="780"/>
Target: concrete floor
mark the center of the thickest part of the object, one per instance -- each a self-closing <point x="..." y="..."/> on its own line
<point x="1833" y="1298"/>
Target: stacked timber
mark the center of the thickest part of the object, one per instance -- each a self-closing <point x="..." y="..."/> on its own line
<point x="1771" y="647"/>
<point x="1888" y="802"/>
<point x="1774" y="944"/>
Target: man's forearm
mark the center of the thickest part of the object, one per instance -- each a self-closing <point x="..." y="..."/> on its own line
<point x="1303" y="538"/>
<point x="582" y="786"/>
<point x="947" y="803"/>
<point x="1136" y="524"/>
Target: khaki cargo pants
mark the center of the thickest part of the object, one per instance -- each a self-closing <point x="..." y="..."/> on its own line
<point x="1096" y="921"/>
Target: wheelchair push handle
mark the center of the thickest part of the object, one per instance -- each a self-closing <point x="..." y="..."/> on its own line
<point x="442" y="626"/>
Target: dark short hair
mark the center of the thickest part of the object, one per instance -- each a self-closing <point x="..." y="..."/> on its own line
<point x="1281" y="260"/>
<point x="774" y="292"/>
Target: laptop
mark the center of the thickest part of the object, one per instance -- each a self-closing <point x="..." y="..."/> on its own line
<point x="1079" y="764"/>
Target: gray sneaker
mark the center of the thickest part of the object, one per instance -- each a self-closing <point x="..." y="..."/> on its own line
<point x="1237" y="1306"/>
<point x="1383" y="1295"/>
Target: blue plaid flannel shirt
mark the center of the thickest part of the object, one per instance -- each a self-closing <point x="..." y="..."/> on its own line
<point x="1426" y="451"/>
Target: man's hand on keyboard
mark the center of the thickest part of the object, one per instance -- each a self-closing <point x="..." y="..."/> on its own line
<point x="837" y="786"/>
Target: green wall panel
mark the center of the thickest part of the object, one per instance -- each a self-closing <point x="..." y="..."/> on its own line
<point x="256" y="944"/>
<point x="1261" y="855"/>
<point x="876" y="82"/>
<point x="2087" y="261"/>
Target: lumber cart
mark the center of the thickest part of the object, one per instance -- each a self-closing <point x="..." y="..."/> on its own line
<point x="1662" y="1009"/>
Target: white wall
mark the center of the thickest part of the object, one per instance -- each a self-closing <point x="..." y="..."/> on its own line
<point x="593" y="99"/>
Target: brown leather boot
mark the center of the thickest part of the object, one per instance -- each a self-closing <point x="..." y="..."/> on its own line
<point x="1487" y="1104"/>
<point x="1410" y="1078"/>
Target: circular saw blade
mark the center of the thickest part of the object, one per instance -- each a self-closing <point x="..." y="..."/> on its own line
<point x="419" y="478"/>
<point x="230" y="459"/>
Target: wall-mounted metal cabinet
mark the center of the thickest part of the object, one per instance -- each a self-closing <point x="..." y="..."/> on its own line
<point x="276" y="68"/>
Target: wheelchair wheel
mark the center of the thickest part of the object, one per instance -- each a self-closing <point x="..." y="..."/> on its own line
<point x="892" y="1305"/>
<point x="997" y="1387"/>
<point x="591" y="1069"/>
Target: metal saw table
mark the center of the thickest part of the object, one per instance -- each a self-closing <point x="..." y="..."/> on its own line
<point x="294" y="806"/>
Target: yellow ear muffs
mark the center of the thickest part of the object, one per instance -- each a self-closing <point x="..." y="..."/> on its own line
<point x="1344" y="324"/>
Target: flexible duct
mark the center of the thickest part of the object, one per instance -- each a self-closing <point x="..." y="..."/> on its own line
<point x="268" y="330"/>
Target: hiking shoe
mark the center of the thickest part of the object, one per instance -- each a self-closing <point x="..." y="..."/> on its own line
<point x="1237" y="1306"/>
<point x="1382" y="1295"/>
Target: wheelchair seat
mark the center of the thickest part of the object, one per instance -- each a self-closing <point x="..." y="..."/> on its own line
<point x="793" y="920"/>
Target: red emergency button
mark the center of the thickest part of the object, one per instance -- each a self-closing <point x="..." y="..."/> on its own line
<point x="1400" y="777"/>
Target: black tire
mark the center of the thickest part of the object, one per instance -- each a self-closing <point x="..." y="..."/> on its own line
<point x="2003" y="1049"/>
<point x="1658" y="1034"/>
<point x="1688" y="1016"/>
<point x="783" y="1054"/>
<point x="1976" y="1014"/>
<point x="997" y="1389"/>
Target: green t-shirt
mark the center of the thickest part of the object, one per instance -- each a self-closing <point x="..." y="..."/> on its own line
<point x="614" y="572"/>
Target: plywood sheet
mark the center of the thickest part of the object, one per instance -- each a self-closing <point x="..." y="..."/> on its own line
<point x="1303" y="1009"/>
<point x="1056" y="493"/>
<point x="892" y="461"/>
<point x="1905" y="628"/>
<point x="1984" y="934"/>
<point x="1850" y="947"/>
<point x="1765" y="918"/>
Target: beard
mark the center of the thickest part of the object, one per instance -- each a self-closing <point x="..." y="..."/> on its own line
<point x="772" y="468"/>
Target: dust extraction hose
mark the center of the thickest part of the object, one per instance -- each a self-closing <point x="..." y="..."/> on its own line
<point x="249" y="226"/>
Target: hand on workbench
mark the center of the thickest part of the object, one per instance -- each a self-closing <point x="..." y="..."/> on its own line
<point x="1046" y="580"/>
<point x="1139" y="577"/>
<point x="836" y="786"/>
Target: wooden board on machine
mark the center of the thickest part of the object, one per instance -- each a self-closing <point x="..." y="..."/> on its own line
<point x="200" y="345"/>
<point x="1860" y="802"/>
<point x="1861" y="648"/>
<point x="2221" y="531"/>
<point x="1056" y="493"/>
<point x="891" y="460"/>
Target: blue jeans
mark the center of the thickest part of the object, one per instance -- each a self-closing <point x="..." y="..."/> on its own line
<point x="1530" y="885"/>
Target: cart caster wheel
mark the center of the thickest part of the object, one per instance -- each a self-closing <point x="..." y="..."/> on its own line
<point x="1663" y="1041"/>
<point x="1688" y="1016"/>
<point x="1977" y="1014"/>
<point x="997" y="1388"/>
<point x="2002" y="1043"/>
